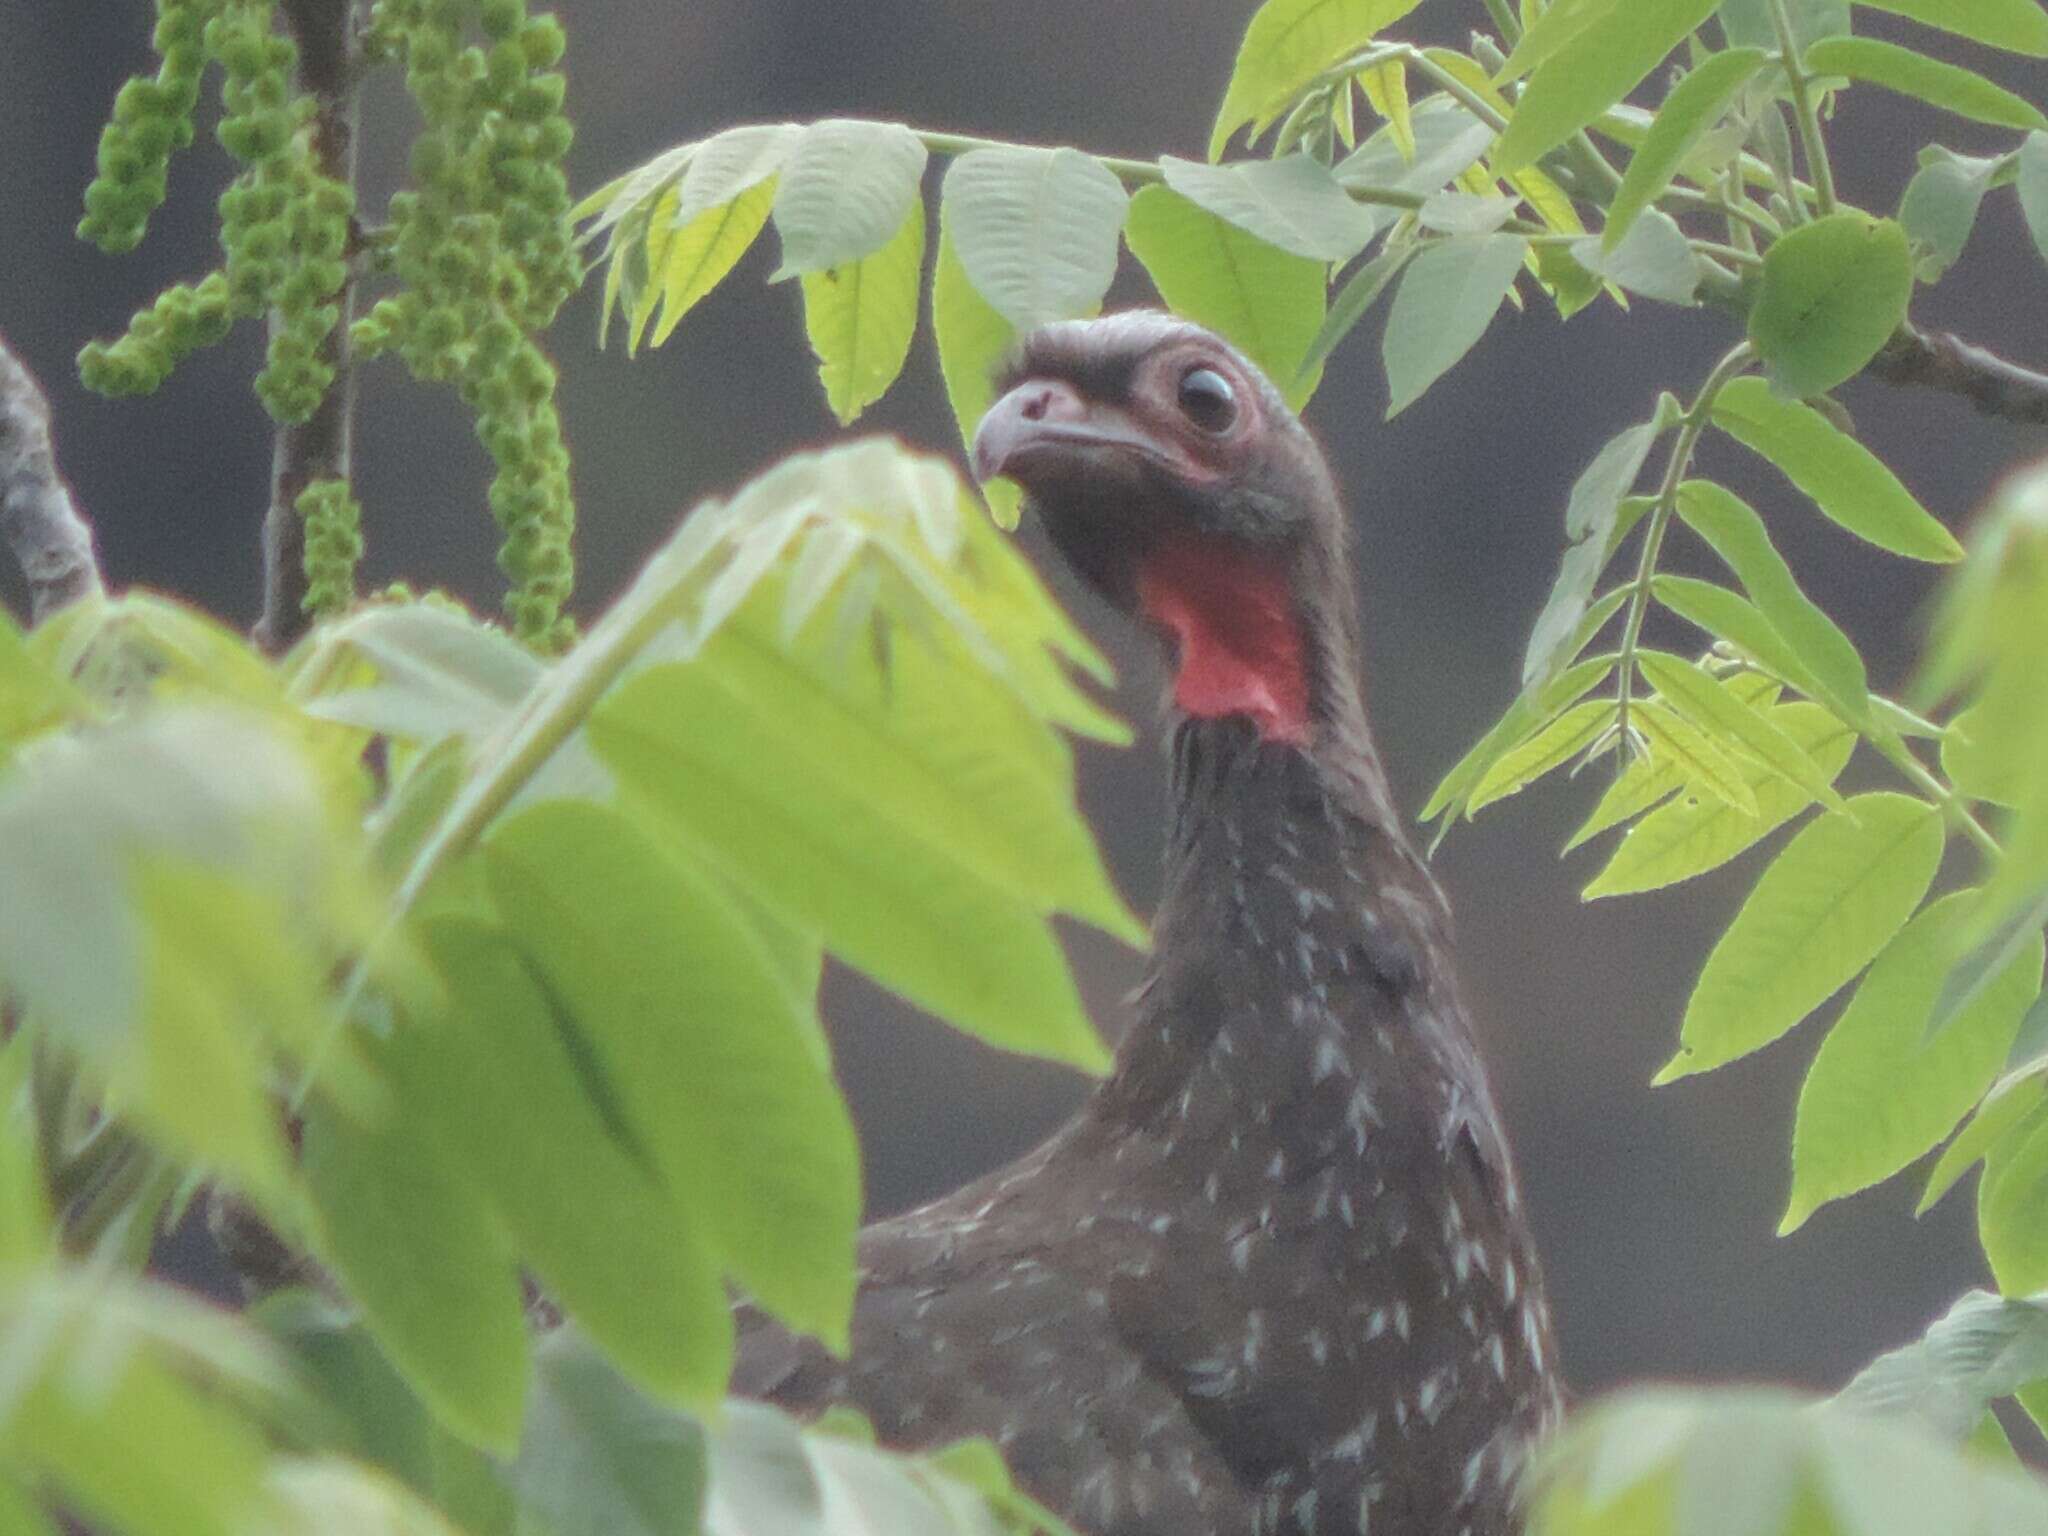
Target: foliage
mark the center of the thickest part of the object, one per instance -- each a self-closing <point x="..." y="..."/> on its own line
<point x="577" y="920"/>
<point x="396" y="878"/>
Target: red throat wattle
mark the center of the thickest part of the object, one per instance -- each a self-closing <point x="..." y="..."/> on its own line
<point x="1232" y="615"/>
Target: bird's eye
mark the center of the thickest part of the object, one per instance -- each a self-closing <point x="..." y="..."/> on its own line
<point x="1207" y="399"/>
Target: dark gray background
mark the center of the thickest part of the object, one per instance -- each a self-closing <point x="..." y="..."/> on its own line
<point x="1656" y="1210"/>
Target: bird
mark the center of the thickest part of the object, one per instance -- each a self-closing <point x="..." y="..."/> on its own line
<point x="1275" y="1275"/>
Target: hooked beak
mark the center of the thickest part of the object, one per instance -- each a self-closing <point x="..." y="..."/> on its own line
<point x="1047" y="422"/>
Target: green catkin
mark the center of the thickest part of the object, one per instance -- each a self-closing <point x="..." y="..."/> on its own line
<point x="284" y="225"/>
<point x="152" y="119"/>
<point x="333" y="545"/>
<point x="485" y="250"/>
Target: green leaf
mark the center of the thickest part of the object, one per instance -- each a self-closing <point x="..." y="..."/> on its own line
<point x="1556" y="744"/>
<point x="1595" y="67"/>
<point x="700" y="253"/>
<point x="1827" y="904"/>
<point x="422" y="1253"/>
<point x="1656" y="260"/>
<point x="1978" y="773"/>
<point x="378" y="1416"/>
<point x="1939" y="208"/>
<point x="1880" y="1093"/>
<point x="861" y="316"/>
<point x="1749" y="23"/>
<point x="1263" y="300"/>
<point x="1547" y="29"/>
<point x="1360" y="291"/>
<point x="1647" y="782"/>
<point x="1673" y="738"/>
<point x="1532" y="709"/>
<point x="1294" y="203"/>
<point x="1448" y="141"/>
<point x="1285" y="45"/>
<point x="1447" y="298"/>
<point x="1735" y="533"/>
<point x="824" y="819"/>
<point x="1983" y="1348"/>
<point x="2019" y="26"/>
<point x="2013" y="1103"/>
<point x="598" y="1458"/>
<point x="731" y="163"/>
<point x="2032" y="185"/>
<point x="719" y="1069"/>
<point x="1464" y="213"/>
<point x="1592" y="519"/>
<point x="845" y="190"/>
<point x="1949" y="86"/>
<point x="1844" y="479"/>
<point x="1036" y="230"/>
<point x="1731" y="618"/>
<point x="497" y="1077"/>
<point x="972" y="337"/>
<point x="1694" y="105"/>
<point x="1726" y="718"/>
<point x="1833" y="291"/>
<point x="2012" y="1210"/>
<point x="437" y="674"/>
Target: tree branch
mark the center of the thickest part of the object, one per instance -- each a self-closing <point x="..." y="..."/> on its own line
<point x="38" y="518"/>
<point x="317" y="448"/>
<point x="1941" y="360"/>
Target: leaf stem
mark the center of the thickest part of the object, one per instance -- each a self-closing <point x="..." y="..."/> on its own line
<point x="1810" y="137"/>
<point x="1140" y="172"/>
<point x="1690" y="425"/>
<point x="1504" y="17"/>
<point x="1895" y="752"/>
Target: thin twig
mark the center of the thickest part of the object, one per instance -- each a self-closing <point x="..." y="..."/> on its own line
<point x="318" y="447"/>
<point x="1940" y="360"/>
<point x="38" y="518"/>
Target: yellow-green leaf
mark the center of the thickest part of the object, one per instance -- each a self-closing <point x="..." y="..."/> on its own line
<point x="1285" y="44"/>
<point x="1827" y="904"/>
<point x="972" y="338"/>
<point x="861" y="317"/>
<point x="1833" y="291"/>
<point x="1959" y="90"/>
<point x="1721" y="714"/>
<point x="1675" y="739"/>
<point x="1880" y="1092"/>
<point x="1845" y="480"/>
<point x="1571" y="733"/>
<point x="699" y="255"/>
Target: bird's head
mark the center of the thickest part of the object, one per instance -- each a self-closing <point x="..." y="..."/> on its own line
<point x="1172" y="476"/>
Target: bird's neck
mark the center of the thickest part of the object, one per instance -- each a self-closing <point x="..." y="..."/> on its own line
<point x="1291" y="889"/>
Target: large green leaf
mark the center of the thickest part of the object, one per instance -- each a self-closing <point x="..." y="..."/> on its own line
<point x="1880" y="1093"/>
<point x="1649" y="781"/>
<point x="803" y="802"/>
<point x="2008" y="1110"/>
<point x="845" y="189"/>
<point x="1294" y="203"/>
<point x="437" y="673"/>
<point x="1447" y="298"/>
<point x="2018" y="25"/>
<point x="861" y="316"/>
<point x="505" y="1084"/>
<point x="1845" y="480"/>
<point x="1833" y="291"/>
<point x="719" y="1070"/>
<point x="418" y="1247"/>
<point x="1448" y="141"/>
<point x="1265" y="301"/>
<point x="1035" y="229"/>
<point x="1750" y="23"/>
<point x="1733" y="619"/>
<point x="1596" y="66"/>
<point x="1360" y="291"/>
<point x="1671" y="737"/>
<point x="1694" y="105"/>
<point x="600" y="1459"/>
<point x="1827" y="904"/>
<point x="1950" y="86"/>
<point x="1286" y="43"/>
<point x="1735" y="533"/>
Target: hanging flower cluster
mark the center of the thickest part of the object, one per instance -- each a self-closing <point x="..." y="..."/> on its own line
<point x="334" y="543"/>
<point x="483" y="246"/>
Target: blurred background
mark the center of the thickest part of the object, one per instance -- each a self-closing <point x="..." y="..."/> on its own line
<point x="1655" y="1209"/>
